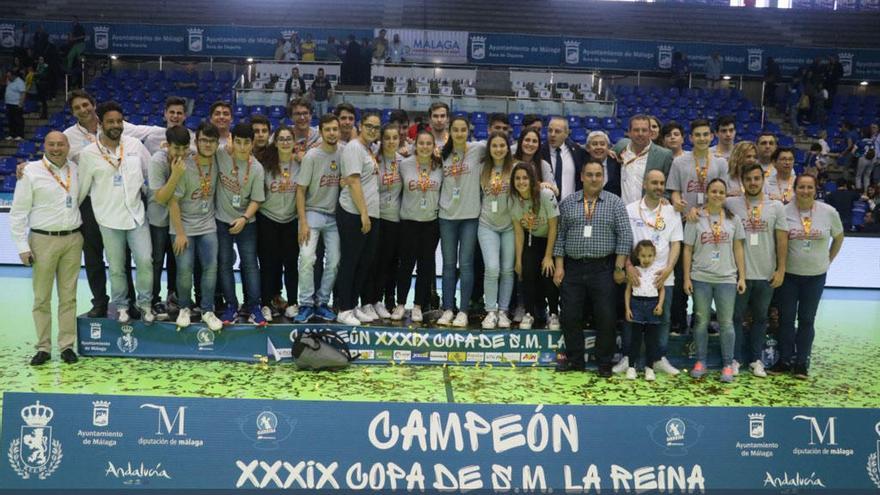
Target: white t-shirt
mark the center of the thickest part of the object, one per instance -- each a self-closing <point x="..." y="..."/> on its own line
<point x="646" y="280"/>
<point x="672" y="231"/>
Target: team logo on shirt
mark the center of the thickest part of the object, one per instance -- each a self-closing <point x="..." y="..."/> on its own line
<point x="756" y="59"/>
<point x="711" y="238"/>
<point x="196" y="40"/>
<point x="664" y="56"/>
<point x="329" y="180"/>
<point x="478" y="47"/>
<point x="7" y="35"/>
<point x="695" y="186"/>
<point x="802" y="235"/>
<point x="102" y="37"/>
<point x="572" y="52"/>
<point x="846" y="60"/>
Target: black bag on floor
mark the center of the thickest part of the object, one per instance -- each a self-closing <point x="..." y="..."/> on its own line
<point x="322" y="350"/>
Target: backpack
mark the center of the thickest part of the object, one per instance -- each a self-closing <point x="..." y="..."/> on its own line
<point x="321" y="350"/>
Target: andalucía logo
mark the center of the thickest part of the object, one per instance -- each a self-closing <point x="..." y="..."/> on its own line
<point x="34" y="452"/>
<point x="874" y="461"/>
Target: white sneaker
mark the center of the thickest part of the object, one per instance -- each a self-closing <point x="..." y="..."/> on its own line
<point x="526" y="322"/>
<point x="348" y="318"/>
<point x="490" y="321"/>
<point x="461" y="320"/>
<point x="381" y="311"/>
<point x="735" y="366"/>
<point x="147" y="315"/>
<point x="291" y="311"/>
<point x="519" y="313"/>
<point x="631" y="373"/>
<point x="621" y="365"/>
<point x="664" y="366"/>
<point x="758" y="369"/>
<point x="649" y="375"/>
<point x="446" y="318"/>
<point x="183" y="319"/>
<point x="362" y="315"/>
<point x="398" y="313"/>
<point x="267" y="313"/>
<point x="368" y="310"/>
<point x="503" y="320"/>
<point x="416" y="314"/>
<point x="210" y="319"/>
<point x="553" y="323"/>
<point x="122" y="315"/>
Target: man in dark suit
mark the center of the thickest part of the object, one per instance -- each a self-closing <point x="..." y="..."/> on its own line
<point x="565" y="157"/>
<point x="638" y="156"/>
<point x="598" y="145"/>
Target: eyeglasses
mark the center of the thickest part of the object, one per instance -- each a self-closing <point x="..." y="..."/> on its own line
<point x="371" y="127"/>
<point x="300" y="115"/>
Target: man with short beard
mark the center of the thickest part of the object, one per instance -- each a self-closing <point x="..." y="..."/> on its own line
<point x="766" y="147"/>
<point x="637" y="155"/>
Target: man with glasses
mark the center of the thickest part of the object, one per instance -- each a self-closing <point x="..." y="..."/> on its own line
<point x="307" y="137"/>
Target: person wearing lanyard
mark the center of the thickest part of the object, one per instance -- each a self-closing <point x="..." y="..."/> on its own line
<point x="384" y="273"/>
<point x="652" y="220"/>
<point x="535" y="215"/>
<point x="421" y="175"/>
<point x="638" y="154"/>
<point x="112" y="173"/>
<point x="45" y="201"/>
<point x="459" y="213"/>
<point x="495" y="231"/>
<point x="592" y="244"/>
<point x="191" y="212"/>
<point x="317" y="199"/>
<point x="725" y="131"/>
<point x="358" y="221"/>
<point x="780" y="186"/>
<point x="277" y="228"/>
<point x="744" y="155"/>
<point x="766" y="250"/>
<point x="812" y="226"/>
<point x="714" y="269"/>
<point x="528" y="150"/>
<point x="239" y="193"/>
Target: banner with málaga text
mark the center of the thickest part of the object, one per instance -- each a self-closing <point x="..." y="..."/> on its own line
<point x="430" y="46"/>
<point x="62" y="443"/>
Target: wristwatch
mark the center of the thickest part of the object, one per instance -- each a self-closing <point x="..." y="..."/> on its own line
<point x="619" y="269"/>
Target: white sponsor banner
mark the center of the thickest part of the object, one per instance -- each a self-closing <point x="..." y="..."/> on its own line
<point x="425" y="45"/>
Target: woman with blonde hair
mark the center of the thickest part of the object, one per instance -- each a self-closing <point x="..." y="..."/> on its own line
<point x="744" y="154"/>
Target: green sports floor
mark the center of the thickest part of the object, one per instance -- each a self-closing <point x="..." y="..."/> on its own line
<point x="845" y="371"/>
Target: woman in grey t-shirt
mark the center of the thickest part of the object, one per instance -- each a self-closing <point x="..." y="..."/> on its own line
<point x="714" y="269"/>
<point x="383" y="277"/>
<point x="812" y="227"/>
<point x="528" y="148"/>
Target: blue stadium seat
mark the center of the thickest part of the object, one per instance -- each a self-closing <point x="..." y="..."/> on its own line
<point x="579" y="135"/>
<point x="240" y="111"/>
<point x="156" y="120"/>
<point x="592" y="123"/>
<point x="277" y="112"/>
<point x="574" y="122"/>
<point x="459" y="113"/>
<point x="516" y="119"/>
<point x="8" y="184"/>
<point x="516" y="130"/>
<point x="860" y="208"/>
<point x="258" y="110"/>
<point x="609" y="123"/>
<point x="481" y="132"/>
<point x="25" y="150"/>
<point x="193" y="121"/>
<point x="478" y="118"/>
<point x="8" y="164"/>
<point x="40" y="134"/>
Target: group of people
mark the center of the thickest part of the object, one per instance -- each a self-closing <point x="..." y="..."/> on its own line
<point x="349" y="212"/>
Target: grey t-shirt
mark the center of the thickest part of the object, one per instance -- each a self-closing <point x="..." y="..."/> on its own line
<point x="495" y="210"/>
<point x="808" y="253"/>
<point x="421" y="191"/>
<point x="356" y="159"/>
<point x="460" y="192"/>
<point x="713" y="260"/>
<point x="319" y="172"/>
<point x="521" y="212"/>
<point x="390" y="188"/>
<point x="760" y="224"/>
<point x="280" y="204"/>
<point x="683" y="177"/>
<point x="159" y="171"/>
<point x="237" y="188"/>
<point x="779" y="190"/>
<point x="195" y="195"/>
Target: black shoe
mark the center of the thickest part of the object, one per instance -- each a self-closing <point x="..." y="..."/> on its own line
<point x="68" y="356"/>
<point x="160" y="311"/>
<point x="97" y="311"/>
<point x="779" y="368"/>
<point x="800" y="372"/>
<point x="566" y="367"/>
<point x="40" y="358"/>
<point x="134" y="312"/>
<point x="605" y="372"/>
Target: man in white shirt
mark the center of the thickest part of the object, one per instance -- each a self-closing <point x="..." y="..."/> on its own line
<point x="651" y="219"/>
<point x="112" y="171"/>
<point x="175" y="114"/>
<point x="725" y="132"/>
<point x="45" y="202"/>
<point x="14" y="99"/>
<point x="220" y="115"/>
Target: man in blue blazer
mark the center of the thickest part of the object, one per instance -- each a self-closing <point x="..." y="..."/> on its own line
<point x="565" y="157"/>
<point x="598" y="146"/>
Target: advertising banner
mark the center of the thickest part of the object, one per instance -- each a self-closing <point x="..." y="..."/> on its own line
<point x="429" y="46"/>
<point x="61" y="443"/>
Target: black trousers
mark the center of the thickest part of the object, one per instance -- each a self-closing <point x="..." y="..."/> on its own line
<point x="385" y="270"/>
<point x="163" y="257"/>
<point x="358" y="252"/>
<point x="535" y="286"/>
<point x="278" y="251"/>
<point x="589" y="279"/>
<point x="417" y="246"/>
<point x="93" y="253"/>
<point x="15" y="116"/>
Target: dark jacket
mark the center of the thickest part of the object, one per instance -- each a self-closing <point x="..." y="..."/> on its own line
<point x="579" y="156"/>
<point x="288" y="87"/>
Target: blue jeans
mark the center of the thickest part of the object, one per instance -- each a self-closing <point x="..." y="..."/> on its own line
<point x="138" y="240"/>
<point x="458" y="240"/>
<point x="246" y="242"/>
<point x="799" y="296"/>
<point x="205" y="247"/>
<point x="756" y="300"/>
<point x="725" y="299"/>
<point x="499" y="254"/>
<point x="320" y="108"/>
<point x="322" y="226"/>
<point x="662" y="330"/>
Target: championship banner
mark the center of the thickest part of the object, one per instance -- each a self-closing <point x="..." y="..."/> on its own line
<point x="376" y="345"/>
<point x="429" y="46"/>
<point x="61" y="442"/>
